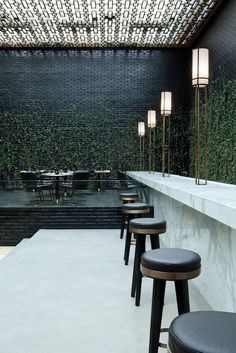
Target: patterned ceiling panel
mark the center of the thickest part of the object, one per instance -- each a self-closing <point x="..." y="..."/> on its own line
<point x="101" y="23"/>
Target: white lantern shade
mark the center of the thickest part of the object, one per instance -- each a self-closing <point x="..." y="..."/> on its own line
<point x="141" y="128"/>
<point x="166" y="103"/>
<point x="200" y="67"/>
<point x="151" y="119"/>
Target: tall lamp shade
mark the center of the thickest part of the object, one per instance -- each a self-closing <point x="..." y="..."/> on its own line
<point x="151" y="119"/>
<point x="151" y="123"/>
<point x="166" y="106"/>
<point x="200" y="67"/>
<point x="141" y="128"/>
<point x="141" y="133"/>
<point x="166" y="103"/>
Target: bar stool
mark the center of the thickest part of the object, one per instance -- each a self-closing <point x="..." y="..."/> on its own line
<point x="126" y="197"/>
<point x="203" y="332"/>
<point x="142" y="227"/>
<point x="132" y="210"/>
<point x="163" y="265"/>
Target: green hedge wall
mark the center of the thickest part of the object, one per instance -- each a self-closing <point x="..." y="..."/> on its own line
<point x="33" y="137"/>
<point x="221" y="131"/>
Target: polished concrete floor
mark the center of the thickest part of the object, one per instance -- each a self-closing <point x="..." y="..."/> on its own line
<point x="69" y="291"/>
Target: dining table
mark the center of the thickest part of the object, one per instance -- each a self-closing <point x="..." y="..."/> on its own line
<point x="56" y="176"/>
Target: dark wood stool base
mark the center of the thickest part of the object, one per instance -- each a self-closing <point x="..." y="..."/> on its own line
<point x="131" y="211"/>
<point x="182" y="297"/>
<point x="126" y="197"/>
<point x="141" y="227"/>
<point x="137" y="274"/>
<point x="168" y="264"/>
<point x="123" y="224"/>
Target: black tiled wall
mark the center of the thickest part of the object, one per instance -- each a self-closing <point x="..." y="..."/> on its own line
<point x="219" y="36"/>
<point x="128" y="80"/>
<point x="110" y="89"/>
<point x="19" y="223"/>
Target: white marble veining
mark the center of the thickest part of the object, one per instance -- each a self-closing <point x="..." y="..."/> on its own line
<point x="214" y="241"/>
<point x="216" y="200"/>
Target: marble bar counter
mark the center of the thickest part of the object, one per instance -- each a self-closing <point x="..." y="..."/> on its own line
<point x="216" y="200"/>
<point x="201" y="218"/>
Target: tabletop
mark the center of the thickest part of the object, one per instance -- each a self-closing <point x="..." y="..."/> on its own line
<point x="102" y="171"/>
<point x="61" y="174"/>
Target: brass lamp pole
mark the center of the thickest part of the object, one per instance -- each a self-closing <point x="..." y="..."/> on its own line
<point x="141" y="133"/>
<point x="166" y="105"/>
<point x="151" y="123"/>
<point x="200" y="81"/>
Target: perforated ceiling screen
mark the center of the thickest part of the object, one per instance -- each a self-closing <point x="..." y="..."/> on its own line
<point x="101" y="23"/>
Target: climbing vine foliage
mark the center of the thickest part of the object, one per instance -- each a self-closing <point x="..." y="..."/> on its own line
<point x="221" y="106"/>
<point x="37" y="139"/>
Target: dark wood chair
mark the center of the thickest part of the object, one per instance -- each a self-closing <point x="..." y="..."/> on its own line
<point x="80" y="180"/>
<point x="31" y="183"/>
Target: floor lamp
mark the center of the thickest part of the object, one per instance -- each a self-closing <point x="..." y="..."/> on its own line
<point x="141" y="133"/>
<point x="166" y="105"/>
<point x="200" y="81"/>
<point x="151" y="123"/>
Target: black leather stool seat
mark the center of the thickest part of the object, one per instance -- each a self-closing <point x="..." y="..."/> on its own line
<point x="171" y="260"/>
<point x="203" y="332"/>
<point x="170" y="264"/>
<point x="147" y="226"/>
<point x="129" y="196"/>
<point x="134" y="207"/>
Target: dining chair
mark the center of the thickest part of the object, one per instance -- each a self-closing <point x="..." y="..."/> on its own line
<point x="31" y="183"/>
<point x="80" y="180"/>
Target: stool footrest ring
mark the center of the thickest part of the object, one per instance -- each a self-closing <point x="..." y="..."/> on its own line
<point x="160" y="344"/>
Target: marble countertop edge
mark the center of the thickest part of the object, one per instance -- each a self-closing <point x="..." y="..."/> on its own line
<point x="216" y="200"/>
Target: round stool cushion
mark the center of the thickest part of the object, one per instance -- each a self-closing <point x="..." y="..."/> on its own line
<point x="203" y="332"/>
<point x="135" y="206"/>
<point x="148" y="223"/>
<point x="171" y="260"/>
<point x="129" y="196"/>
